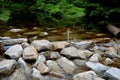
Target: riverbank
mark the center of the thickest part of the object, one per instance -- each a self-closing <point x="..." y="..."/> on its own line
<point x="95" y="59"/>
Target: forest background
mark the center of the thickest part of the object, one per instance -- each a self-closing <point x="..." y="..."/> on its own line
<point x="89" y="14"/>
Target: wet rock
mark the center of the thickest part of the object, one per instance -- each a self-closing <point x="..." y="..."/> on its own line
<point x="30" y="53"/>
<point x="95" y="58"/>
<point x="43" y="34"/>
<point x="67" y="65"/>
<point x="4" y="38"/>
<point x="14" y="41"/>
<point x="101" y="40"/>
<point x="72" y="52"/>
<point x="97" y="67"/>
<point x="108" y="61"/>
<point x="25" y="44"/>
<point x="43" y="68"/>
<point x="7" y="66"/>
<point x="80" y="62"/>
<point x="41" y="58"/>
<point x="16" y="30"/>
<point x="54" y="55"/>
<point x="59" y="45"/>
<point x="55" y="69"/>
<point x="89" y="75"/>
<point x="42" y="44"/>
<point x="112" y="74"/>
<point x="14" y="51"/>
<point x="83" y="44"/>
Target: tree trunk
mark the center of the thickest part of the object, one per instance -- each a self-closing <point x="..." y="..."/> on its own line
<point x="114" y="30"/>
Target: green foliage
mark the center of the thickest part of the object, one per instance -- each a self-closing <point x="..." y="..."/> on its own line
<point x="100" y="12"/>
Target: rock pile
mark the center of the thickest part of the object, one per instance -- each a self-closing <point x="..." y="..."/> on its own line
<point x="60" y="60"/>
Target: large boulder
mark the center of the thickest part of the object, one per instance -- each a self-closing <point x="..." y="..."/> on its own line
<point x="42" y="44"/>
<point x="59" y="45"/>
<point x="72" y="52"/>
<point x="14" y="51"/>
<point x="112" y="74"/>
<point x="7" y="66"/>
<point x="30" y="53"/>
<point x="67" y="65"/>
<point x="89" y="75"/>
<point x="14" y="41"/>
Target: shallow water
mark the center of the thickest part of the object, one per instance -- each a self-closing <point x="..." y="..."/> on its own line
<point x="52" y="34"/>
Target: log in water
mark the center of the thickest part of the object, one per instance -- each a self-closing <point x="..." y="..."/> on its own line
<point x="114" y="30"/>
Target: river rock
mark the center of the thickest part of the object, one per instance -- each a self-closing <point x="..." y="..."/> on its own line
<point x="80" y="62"/>
<point x="30" y="53"/>
<point x="72" y="52"/>
<point x="83" y="44"/>
<point x="95" y="58"/>
<point x="19" y="74"/>
<point x="87" y="53"/>
<point x="59" y="45"/>
<point x="36" y="74"/>
<point x="21" y="62"/>
<point x="55" y="69"/>
<point x="88" y="75"/>
<point x="25" y="44"/>
<point x="112" y="53"/>
<point x="41" y="58"/>
<point x="54" y="55"/>
<point x="112" y="74"/>
<point x="16" y="30"/>
<point x="42" y="44"/>
<point x="7" y="66"/>
<point x="97" y="67"/>
<point x="108" y="61"/>
<point x="14" y="41"/>
<point x="43" y="68"/>
<point x="67" y="65"/>
<point x="14" y="51"/>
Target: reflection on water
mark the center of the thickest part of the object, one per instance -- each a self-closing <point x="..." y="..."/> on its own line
<point x="52" y="34"/>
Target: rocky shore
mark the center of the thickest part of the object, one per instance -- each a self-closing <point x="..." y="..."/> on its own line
<point x="97" y="59"/>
